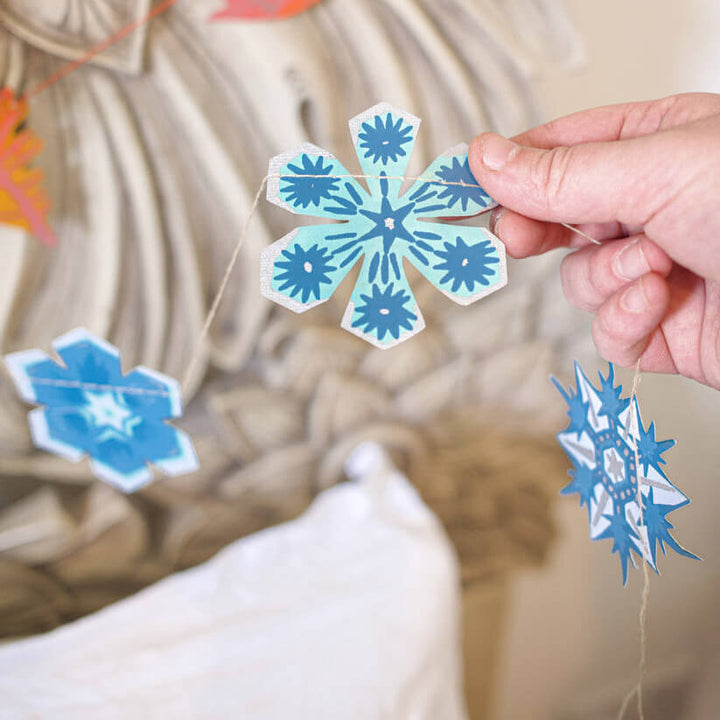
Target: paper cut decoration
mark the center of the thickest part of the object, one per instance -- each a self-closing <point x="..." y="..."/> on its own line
<point x="262" y="9"/>
<point x="91" y="408"/>
<point x="600" y="442"/>
<point x="382" y="227"/>
<point x="22" y="198"/>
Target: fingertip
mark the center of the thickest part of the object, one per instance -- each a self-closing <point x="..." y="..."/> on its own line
<point x="624" y="324"/>
<point x="524" y="237"/>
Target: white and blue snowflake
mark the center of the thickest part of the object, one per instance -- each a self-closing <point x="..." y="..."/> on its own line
<point x="600" y="441"/>
<point x="381" y="226"/>
<point x="89" y="407"/>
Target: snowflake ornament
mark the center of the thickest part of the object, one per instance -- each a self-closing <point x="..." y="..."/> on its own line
<point x="381" y="226"/>
<point x="91" y="408"/>
<point x="600" y="441"/>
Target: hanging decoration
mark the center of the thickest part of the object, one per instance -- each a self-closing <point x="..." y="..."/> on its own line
<point x="89" y="407"/>
<point x="262" y="9"/>
<point x="601" y="441"/>
<point x="382" y="226"/>
<point x="23" y="201"/>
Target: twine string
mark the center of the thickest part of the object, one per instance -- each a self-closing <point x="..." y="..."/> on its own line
<point x="94" y="51"/>
<point x="198" y="346"/>
<point x="637" y="690"/>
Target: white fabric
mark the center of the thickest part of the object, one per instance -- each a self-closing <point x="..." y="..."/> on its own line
<point x="349" y="612"/>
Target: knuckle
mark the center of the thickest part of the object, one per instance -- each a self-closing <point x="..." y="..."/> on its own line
<point x="550" y="175"/>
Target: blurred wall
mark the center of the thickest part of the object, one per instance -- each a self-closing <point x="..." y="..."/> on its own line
<point x="572" y="649"/>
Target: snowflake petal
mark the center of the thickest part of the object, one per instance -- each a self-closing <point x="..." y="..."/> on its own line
<point x="467" y="266"/>
<point x="383" y="313"/>
<point x="449" y="189"/>
<point x="384" y="138"/>
<point x="310" y="181"/>
<point x="304" y="268"/>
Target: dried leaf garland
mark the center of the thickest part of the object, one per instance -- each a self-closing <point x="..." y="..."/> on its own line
<point x="262" y="9"/>
<point x="23" y="201"/>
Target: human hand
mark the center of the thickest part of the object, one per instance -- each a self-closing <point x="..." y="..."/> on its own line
<point x="643" y="178"/>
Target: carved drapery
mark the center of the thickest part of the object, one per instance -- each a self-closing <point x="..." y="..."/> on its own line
<point x="153" y="155"/>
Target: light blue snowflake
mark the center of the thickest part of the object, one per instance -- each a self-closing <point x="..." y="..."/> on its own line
<point x="382" y="227"/>
<point x="91" y="408"/>
<point x="600" y="442"/>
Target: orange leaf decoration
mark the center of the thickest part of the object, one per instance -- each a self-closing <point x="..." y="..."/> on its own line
<point x="23" y="201"/>
<point x="262" y="9"/>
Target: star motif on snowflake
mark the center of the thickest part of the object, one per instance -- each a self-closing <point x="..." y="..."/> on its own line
<point x="90" y="408"/>
<point x="600" y="441"/>
<point x="381" y="227"/>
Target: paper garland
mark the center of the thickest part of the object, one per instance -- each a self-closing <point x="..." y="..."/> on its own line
<point x="262" y="9"/>
<point x="23" y="201"/>
<point x="600" y="441"/>
<point x="382" y="227"/>
<point x="91" y="408"/>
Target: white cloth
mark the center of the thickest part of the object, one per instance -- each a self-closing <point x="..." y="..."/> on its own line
<point x="349" y="612"/>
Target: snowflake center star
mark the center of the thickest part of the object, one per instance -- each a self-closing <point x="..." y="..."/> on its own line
<point x="384" y="311"/>
<point x="107" y="411"/>
<point x="308" y="266"/>
<point x="465" y="262"/>
<point x="390" y="223"/>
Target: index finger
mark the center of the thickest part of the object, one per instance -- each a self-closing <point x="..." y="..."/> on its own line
<point x="620" y="122"/>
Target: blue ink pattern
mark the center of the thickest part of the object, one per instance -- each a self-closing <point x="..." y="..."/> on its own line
<point x="600" y="442"/>
<point x="381" y="227"/>
<point x="312" y="184"/>
<point x="467" y="265"/>
<point x="89" y="407"/>
<point x="303" y="271"/>
<point x="384" y="312"/>
<point x="384" y="140"/>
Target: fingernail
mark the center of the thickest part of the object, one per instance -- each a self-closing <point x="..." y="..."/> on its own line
<point x="497" y="151"/>
<point x="633" y="299"/>
<point x="631" y="263"/>
<point x="495" y="218"/>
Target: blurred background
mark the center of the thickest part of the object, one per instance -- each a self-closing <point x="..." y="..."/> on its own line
<point x="153" y="154"/>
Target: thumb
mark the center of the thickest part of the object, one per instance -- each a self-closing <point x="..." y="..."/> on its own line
<point x="590" y="182"/>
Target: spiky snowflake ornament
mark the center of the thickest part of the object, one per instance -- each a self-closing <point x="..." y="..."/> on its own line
<point x="600" y="442"/>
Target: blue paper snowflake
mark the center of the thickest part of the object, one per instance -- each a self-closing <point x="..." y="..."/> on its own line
<point x="381" y="226"/>
<point x="600" y="442"/>
<point x="91" y="408"/>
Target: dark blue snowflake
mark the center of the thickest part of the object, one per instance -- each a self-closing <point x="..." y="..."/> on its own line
<point x="467" y="264"/>
<point x="304" y="190"/>
<point x="462" y="186"/>
<point x="303" y="271"/>
<point x="384" y="140"/>
<point x="600" y="441"/>
<point x="88" y="407"/>
<point x="385" y="312"/>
